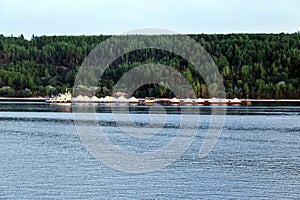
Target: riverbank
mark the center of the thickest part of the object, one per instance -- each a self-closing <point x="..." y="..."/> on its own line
<point x="43" y="99"/>
<point x="274" y="100"/>
<point x="25" y="99"/>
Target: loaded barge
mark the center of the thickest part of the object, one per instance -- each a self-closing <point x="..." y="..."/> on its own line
<point x="67" y="98"/>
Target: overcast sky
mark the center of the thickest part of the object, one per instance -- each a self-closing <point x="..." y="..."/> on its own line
<point x="94" y="17"/>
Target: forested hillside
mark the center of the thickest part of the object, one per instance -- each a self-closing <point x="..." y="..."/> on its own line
<point x="253" y="65"/>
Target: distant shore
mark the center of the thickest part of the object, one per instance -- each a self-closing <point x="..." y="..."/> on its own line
<point x="28" y="99"/>
<point x="43" y="99"/>
<point x="274" y="100"/>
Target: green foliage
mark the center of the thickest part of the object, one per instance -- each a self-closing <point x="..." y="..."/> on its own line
<point x="253" y="65"/>
<point x="7" y="91"/>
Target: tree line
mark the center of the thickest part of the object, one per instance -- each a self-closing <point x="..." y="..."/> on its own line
<point x="252" y="65"/>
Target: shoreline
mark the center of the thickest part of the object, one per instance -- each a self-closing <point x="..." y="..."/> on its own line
<point x="42" y="99"/>
<point x="274" y="100"/>
<point x="25" y="99"/>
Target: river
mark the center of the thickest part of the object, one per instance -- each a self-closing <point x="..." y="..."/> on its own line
<point x="257" y="155"/>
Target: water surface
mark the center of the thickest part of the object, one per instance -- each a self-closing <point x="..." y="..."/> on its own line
<point x="257" y="155"/>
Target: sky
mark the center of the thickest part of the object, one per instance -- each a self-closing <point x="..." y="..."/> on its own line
<point x="95" y="17"/>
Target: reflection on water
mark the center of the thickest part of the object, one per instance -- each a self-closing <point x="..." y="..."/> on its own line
<point x="257" y="155"/>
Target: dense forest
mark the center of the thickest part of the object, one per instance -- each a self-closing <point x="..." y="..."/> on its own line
<point x="252" y="65"/>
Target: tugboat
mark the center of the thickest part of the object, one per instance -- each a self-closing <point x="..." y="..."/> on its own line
<point x="61" y="98"/>
<point x="149" y="100"/>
